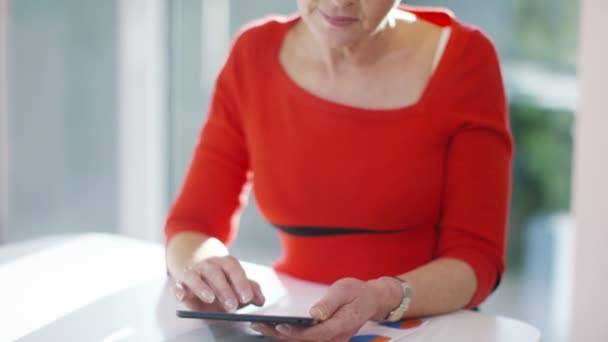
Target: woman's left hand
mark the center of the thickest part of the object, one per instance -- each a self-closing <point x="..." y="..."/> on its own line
<point x="348" y="304"/>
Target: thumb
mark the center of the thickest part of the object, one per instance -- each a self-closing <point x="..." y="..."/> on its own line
<point x="329" y="304"/>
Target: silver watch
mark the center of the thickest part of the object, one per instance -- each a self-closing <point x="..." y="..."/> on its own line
<point x="398" y="313"/>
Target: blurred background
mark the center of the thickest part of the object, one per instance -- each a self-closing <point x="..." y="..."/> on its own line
<point x="101" y="103"/>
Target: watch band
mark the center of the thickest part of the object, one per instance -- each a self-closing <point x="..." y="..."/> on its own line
<point x="398" y="313"/>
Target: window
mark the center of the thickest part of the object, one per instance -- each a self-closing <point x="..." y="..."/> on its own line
<point x="85" y="127"/>
<point x="61" y="128"/>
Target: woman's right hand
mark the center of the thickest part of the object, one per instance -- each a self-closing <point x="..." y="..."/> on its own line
<point x="217" y="284"/>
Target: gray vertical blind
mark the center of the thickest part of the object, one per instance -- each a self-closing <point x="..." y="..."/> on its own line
<point x="63" y="124"/>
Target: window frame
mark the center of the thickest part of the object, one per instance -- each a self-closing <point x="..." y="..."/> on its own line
<point x="143" y="106"/>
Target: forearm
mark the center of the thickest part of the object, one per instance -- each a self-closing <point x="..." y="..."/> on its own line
<point x="441" y="286"/>
<point x="189" y="247"/>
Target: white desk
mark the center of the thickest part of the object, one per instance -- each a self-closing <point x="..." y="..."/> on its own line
<point x="108" y="288"/>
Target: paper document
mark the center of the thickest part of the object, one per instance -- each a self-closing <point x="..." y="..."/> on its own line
<point x="385" y="332"/>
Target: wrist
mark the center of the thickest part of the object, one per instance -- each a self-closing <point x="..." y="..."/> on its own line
<point x="388" y="294"/>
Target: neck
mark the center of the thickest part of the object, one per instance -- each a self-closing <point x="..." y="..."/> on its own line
<point x="366" y="51"/>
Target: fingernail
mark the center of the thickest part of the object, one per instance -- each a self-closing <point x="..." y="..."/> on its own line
<point x="246" y="297"/>
<point x="256" y="326"/>
<point x="283" y="329"/>
<point x="207" y="296"/>
<point x="317" y="313"/>
<point x="179" y="294"/>
<point x="230" y="305"/>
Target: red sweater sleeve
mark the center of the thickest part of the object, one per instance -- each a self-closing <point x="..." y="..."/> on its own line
<point x="209" y="200"/>
<point x="478" y="169"/>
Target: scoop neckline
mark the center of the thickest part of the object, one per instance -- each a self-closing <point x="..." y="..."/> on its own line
<point x="313" y="100"/>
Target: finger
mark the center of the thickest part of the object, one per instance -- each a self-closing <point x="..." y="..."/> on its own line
<point x="329" y="330"/>
<point x="237" y="277"/>
<point x="214" y="276"/>
<point x="258" y="297"/>
<point x="337" y="295"/>
<point x="178" y="290"/>
<point x="293" y="333"/>
<point x="269" y="331"/>
<point x="196" y="304"/>
<point x="343" y="323"/>
<point x="201" y="289"/>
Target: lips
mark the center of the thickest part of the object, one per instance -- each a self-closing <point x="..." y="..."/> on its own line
<point x="339" y="21"/>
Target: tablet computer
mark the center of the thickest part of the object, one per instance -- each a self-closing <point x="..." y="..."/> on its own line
<point x="236" y="317"/>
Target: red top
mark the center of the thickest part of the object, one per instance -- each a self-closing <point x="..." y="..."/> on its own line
<point x="355" y="192"/>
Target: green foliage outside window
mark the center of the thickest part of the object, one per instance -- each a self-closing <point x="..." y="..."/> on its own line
<point x="541" y="168"/>
<point x="546" y="31"/>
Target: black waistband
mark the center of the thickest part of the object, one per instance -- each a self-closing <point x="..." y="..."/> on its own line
<point x="328" y="231"/>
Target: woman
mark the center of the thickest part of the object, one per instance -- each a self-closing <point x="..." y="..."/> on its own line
<point x="376" y="137"/>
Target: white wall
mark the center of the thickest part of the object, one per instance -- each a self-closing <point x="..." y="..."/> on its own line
<point x="590" y="300"/>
